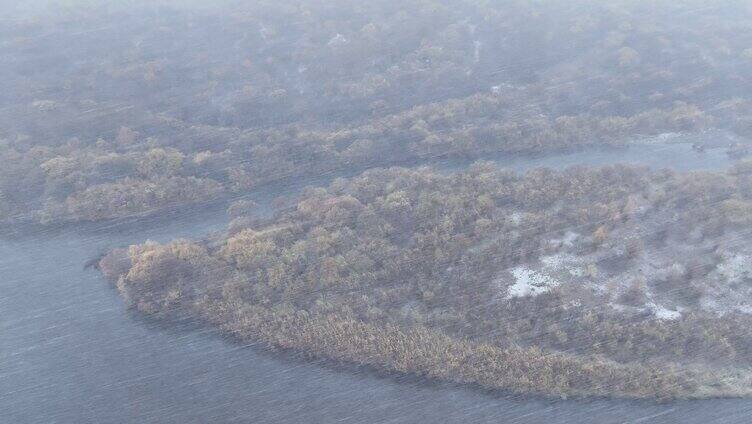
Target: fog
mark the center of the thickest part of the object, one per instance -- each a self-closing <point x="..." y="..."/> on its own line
<point x="396" y="211"/>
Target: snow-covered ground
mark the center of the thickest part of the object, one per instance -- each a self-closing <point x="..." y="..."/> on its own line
<point x="661" y="312"/>
<point x="729" y="287"/>
<point x="608" y="273"/>
<point x="529" y="282"/>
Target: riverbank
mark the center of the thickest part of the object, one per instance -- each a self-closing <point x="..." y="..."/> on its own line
<point x="414" y="271"/>
<point x="69" y="340"/>
<point x="670" y="150"/>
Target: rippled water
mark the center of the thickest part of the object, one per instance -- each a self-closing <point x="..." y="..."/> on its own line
<point x="70" y="352"/>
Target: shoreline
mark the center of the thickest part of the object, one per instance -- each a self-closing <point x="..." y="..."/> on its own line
<point x="226" y="285"/>
<point x="248" y="338"/>
<point x="299" y="357"/>
<point x="29" y="227"/>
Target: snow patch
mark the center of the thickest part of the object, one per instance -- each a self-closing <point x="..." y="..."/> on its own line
<point x="529" y="282"/>
<point x="662" y="138"/>
<point x="736" y="268"/>
<point x="563" y="262"/>
<point x="337" y="40"/>
<point x="567" y="240"/>
<point x="497" y="89"/>
<point x="662" y="313"/>
<point x="516" y="218"/>
<point x="745" y="309"/>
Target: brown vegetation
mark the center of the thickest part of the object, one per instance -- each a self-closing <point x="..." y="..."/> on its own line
<point x="404" y="270"/>
<point x="271" y="91"/>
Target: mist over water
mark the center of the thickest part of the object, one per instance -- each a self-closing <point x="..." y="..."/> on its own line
<point x="335" y="211"/>
<point x="72" y="352"/>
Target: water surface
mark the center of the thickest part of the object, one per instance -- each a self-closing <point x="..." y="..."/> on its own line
<point x="70" y="352"/>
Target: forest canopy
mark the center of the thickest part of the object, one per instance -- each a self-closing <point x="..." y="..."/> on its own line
<point x="101" y="103"/>
<point x="577" y="282"/>
<point x="619" y="280"/>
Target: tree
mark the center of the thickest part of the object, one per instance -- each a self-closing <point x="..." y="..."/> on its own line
<point x="159" y="162"/>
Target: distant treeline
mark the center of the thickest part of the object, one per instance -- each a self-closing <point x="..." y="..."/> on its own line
<point x="109" y="113"/>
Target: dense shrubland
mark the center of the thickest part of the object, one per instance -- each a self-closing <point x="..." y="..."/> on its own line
<point x="610" y="281"/>
<point x="631" y="278"/>
<point x="99" y="105"/>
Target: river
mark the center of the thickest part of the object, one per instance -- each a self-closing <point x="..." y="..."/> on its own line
<point x="70" y="352"/>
